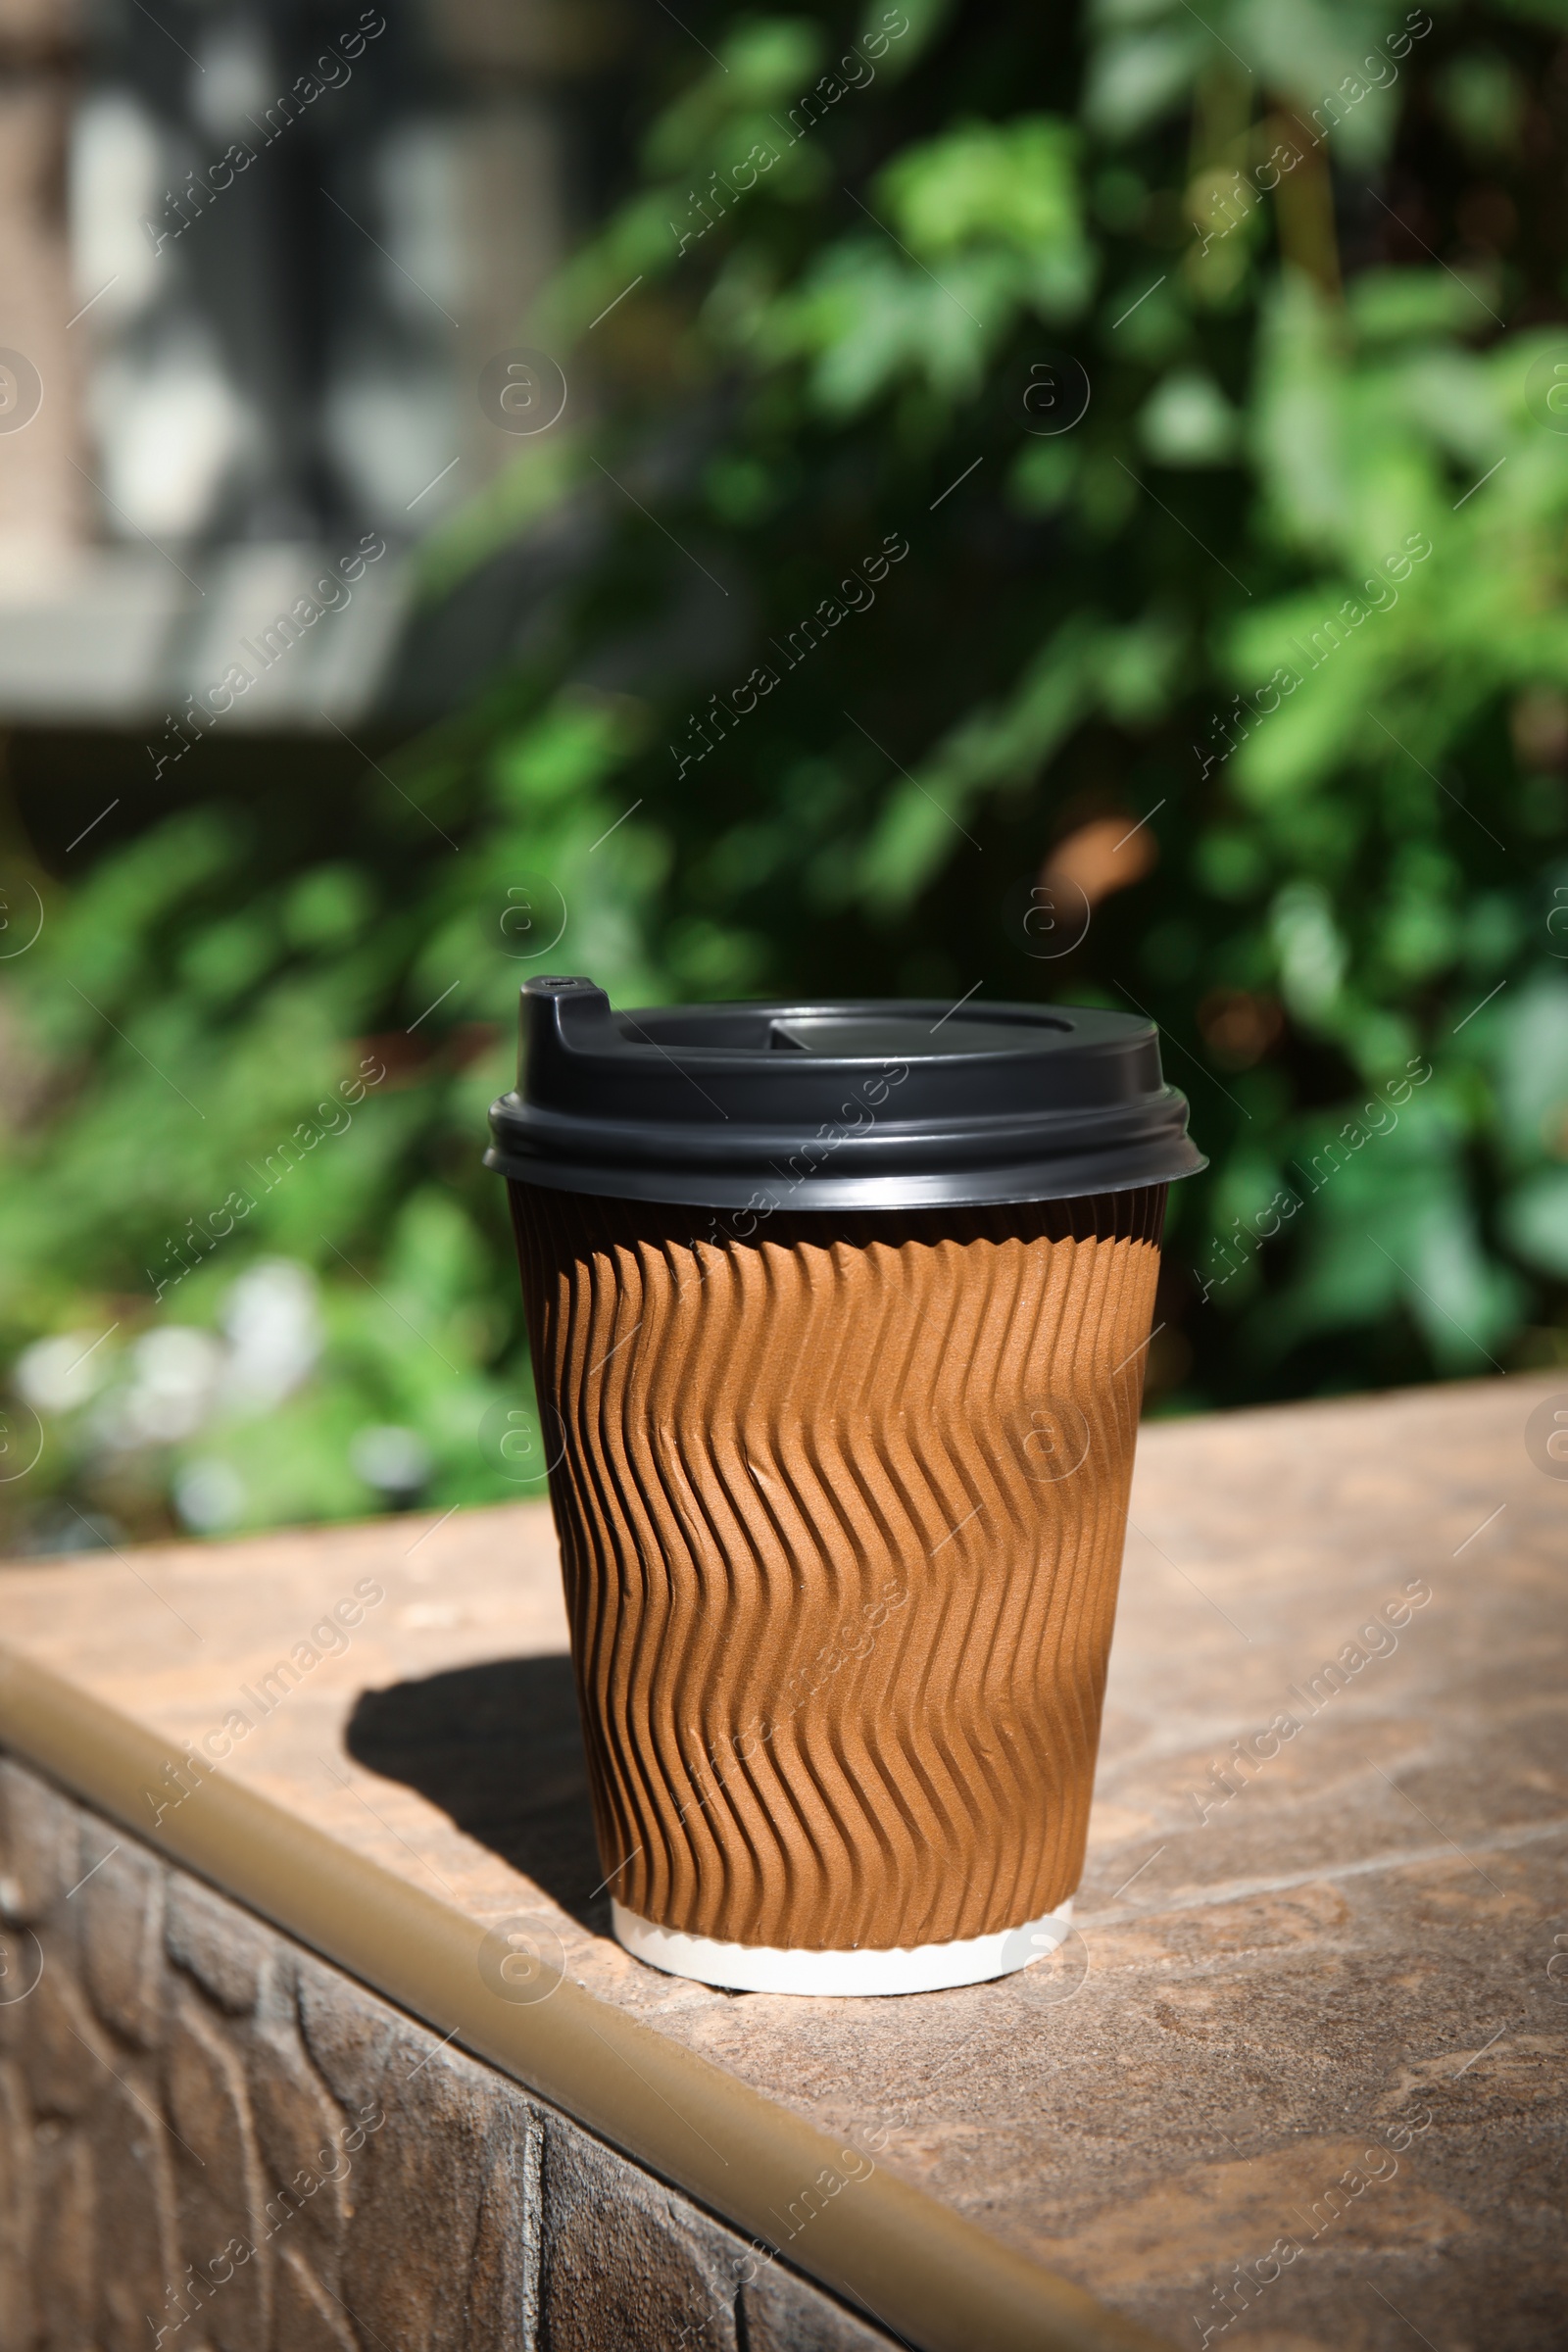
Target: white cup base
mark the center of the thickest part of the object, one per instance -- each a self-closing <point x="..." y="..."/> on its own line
<point x="918" y="1968"/>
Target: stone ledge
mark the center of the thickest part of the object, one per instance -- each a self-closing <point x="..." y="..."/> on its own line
<point x="208" y="2136"/>
<point x="902" y="2256"/>
<point x="1308" y="1960"/>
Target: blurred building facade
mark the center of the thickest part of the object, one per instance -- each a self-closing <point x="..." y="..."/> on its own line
<point x="254" y="255"/>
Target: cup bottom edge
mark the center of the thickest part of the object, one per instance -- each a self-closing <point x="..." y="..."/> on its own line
<point x="769" y="1967"/>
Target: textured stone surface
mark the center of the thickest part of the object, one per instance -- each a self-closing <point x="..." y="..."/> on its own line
<point x="682" y="2281"/>
<point x="37" y="1837"/>
<point x="211" y="2138"/>
<point x="218" y="1942"/>
<point x="122" y="1932"/>
<point x="1346" y="1949"/>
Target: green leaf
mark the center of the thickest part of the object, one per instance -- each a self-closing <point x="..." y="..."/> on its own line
<point x="1533" y="1220"/>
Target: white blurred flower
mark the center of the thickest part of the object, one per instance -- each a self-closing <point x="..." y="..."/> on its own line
<point x="274" y="1332"/>
<point x="397" y="1460"/>
<point x="53" y="1375"/>
<point x="209" y="1495"/>
<point x="174" y="1386"/>
<point x="173" y="1379"/>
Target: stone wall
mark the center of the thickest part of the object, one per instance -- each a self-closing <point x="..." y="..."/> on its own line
<point x="212" y="2140"/>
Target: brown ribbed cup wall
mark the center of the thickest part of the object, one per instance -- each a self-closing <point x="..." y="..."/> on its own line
<point x="841" y="1593"/>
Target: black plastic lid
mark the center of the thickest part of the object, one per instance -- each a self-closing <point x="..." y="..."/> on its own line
<point x="887" y="1103"/>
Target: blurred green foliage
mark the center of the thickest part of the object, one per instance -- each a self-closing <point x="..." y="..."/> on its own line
<point x="1243" y="697"/>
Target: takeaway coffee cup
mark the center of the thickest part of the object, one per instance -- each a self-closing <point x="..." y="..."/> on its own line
<point x="838" y="1316"/>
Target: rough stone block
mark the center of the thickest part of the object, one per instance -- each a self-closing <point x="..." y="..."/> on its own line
<point x="783" y="2314"/>
<point x="306" y="2316"/>
<point x="19" y="2178"/>
<point x="122" y="1907"/>
<point x="20" y="1972"/>
<point x="626" y="2260"/>
<point x="220" y="1945"/>
<point x="222" y="2205"/>
<point x="502" y="2300"/>
<point x="66" y="2056"/>
<point x="39" y="1839"/>
<point x="301" y="2137"/>
<point x="139" y="2264"/>
<point x="66" y="2253"/>
<point x="430" y="2155"/>
<point x="352" y="2036"/>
